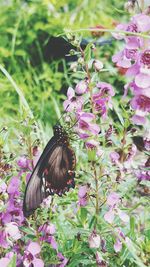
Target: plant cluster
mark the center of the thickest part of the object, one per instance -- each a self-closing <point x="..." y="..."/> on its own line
<point x="104" y="220"/>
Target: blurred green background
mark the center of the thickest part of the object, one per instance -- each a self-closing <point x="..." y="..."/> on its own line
<point x="33" y="62"/>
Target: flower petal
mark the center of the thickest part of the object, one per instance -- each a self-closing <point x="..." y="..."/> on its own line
<point x="34" y="248"/>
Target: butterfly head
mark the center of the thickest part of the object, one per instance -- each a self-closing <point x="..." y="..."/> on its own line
<point x="59" y="131"/>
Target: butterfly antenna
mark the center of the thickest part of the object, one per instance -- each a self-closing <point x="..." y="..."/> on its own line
<point x="62" y="114"/>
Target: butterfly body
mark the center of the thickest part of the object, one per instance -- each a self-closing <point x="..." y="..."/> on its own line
<point x="53" y="174"/>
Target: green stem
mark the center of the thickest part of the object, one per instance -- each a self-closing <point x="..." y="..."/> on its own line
<point x="142" y="5"/>
<point x="96" y="194"/>
<point x="106" y="30"/>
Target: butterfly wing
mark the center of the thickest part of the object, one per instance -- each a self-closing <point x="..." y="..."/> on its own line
<point x="139" y="142"/>
<point x="59" y="172"/>
<point x="54" y="173"/>
<point x="34" y="194"/>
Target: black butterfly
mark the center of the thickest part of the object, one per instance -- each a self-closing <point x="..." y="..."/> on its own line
<point x="54" y="172"/>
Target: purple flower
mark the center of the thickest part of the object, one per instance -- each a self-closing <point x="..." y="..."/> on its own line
<point x="131" y="152"/>
<point x="142" y="173"/>
<point x="73" y="102"/>
<point x="145" y="58"/>
<point x="13" y="187"/>
<point x="81" y="87"/>
<point x="62" y="259"/>
<point x="47" y="231"/>
<point x="91" y="144"/>
<point x="47" y="228"/>
<point x="147" y="140"/>
<point x="22" y="162"/>
<point x="53" y="242"/>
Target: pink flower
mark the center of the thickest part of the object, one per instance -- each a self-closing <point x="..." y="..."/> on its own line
<point x="12" y="231"/>
<point x="94" y="240"/>
<point x="109" y="216"/>
<point x="121" y="60"/>
<point x="142" y="21"/>
<point x="30" y="255"/>
<point x="118" y="245"/>
<point x="73" y="102"/>
<point x="100" y="104"/>
<point x="139" y="118"/>
<point x="81" y="87"/>
<point x="114" y="156"/>
<point x="86" y="127"/>
<point x="123" y="216"/>
<point x="3" y="242"/>
<point x="83" y="195"/>
<point x="100" y="261"/>
<point x="113" y="199"/>
<point x="142" y="80"/>
<point x="105" y="89"/>
<point x="102" y="98"/>
<point x="34" y="248"/>
<point x="3" y="186"/>
<point x="4" y="262"/>
<point x="141" y="102"/>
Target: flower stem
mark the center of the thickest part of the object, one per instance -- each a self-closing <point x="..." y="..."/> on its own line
<point x="96" y="194"/>
<point x="142" y="5"/>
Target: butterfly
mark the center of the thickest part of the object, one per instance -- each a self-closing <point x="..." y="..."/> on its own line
<point x="54" y="172"/>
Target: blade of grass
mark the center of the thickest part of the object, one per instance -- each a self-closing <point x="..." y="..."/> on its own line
<point x="20" y="93"/>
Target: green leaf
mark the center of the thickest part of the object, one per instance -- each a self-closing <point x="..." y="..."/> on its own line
<point x="27" y="230"/>
<point x="83" y="215"/>
<point x="88" y="52"/>
<point x="12" y="263"/>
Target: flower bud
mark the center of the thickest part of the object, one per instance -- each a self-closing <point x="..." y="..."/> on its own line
<point x="98" y="65"/>
<point x="81" y="87"/>
<point x="81" y="60"/>
<point x="129" y="6"/>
